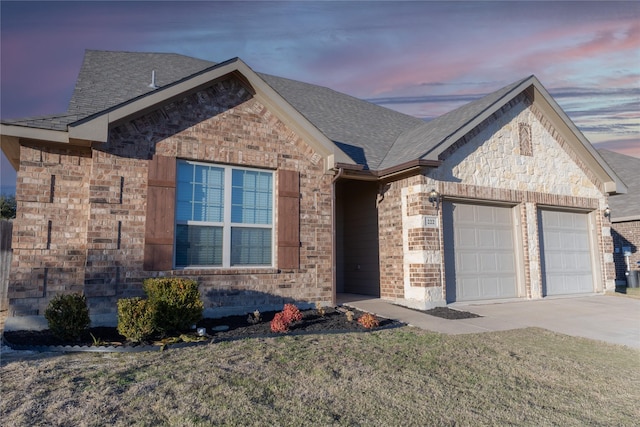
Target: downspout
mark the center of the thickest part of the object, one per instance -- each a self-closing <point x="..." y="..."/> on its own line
<point x="333" y="235"/>
<point x="443" y="284"/>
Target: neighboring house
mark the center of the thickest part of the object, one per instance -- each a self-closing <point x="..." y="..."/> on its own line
<point x="268" y="190"/>
<point x="625" y="213"/>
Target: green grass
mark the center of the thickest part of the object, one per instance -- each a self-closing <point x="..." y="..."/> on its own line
<point x="399" y="377"/>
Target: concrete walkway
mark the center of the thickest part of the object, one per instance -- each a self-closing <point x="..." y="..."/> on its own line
<point x="608" y="318"/>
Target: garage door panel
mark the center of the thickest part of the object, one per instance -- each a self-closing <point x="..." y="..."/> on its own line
<point x="469" y="263"/>
<point x="566" y="252"/>
<point x="506" y="261"/>
<point x="484" y="215"/>
<point x="502" y="216"/>
<point x="466" y="216"/>
<point x="486" y="239"/>
<point x="488" y="263"/>
<point x="483" y="254"/>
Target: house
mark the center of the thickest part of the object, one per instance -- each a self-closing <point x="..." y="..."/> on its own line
<point x="268" y="190"/>
<point x="625" y="214"/>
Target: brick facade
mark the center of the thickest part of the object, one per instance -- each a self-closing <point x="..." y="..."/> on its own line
<point x="82" y="212"/>
<point x="625" y="234"/>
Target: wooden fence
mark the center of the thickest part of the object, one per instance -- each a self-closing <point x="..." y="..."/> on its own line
<point x="6" y="228"/>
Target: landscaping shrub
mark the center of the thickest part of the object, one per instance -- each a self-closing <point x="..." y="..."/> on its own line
<point x="136" y="319"/>
<point x="279" y="324"/>
<point x="176" y="302"/>
<point x="286" y="317"/>
<point x="291" y="313"/>
<point x="68" y="316"/>
<point x="368" y="320"/>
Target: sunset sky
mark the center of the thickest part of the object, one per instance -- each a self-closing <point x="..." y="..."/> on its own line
<point x="423" y="58"/>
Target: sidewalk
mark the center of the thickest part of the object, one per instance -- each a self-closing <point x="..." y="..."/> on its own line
<point x="612" y="319"/>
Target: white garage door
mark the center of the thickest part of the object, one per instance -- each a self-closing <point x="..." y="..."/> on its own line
<point x="566" y="253"/>
<point x="481" y="246"/>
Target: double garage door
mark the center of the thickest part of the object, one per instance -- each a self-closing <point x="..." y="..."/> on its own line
<point x="483" y="255"/>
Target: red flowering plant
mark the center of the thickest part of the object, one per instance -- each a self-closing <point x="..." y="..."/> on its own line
<point x="368" y="320"/>
<point x="281" y="321"/>
<point x="291" y="313"/>
<point x="278" y="324"/>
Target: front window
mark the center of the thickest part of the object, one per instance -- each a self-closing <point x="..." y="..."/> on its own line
<point x="224" y="216"/>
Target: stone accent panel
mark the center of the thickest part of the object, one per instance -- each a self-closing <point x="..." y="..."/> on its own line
<point x="490" y="157"/>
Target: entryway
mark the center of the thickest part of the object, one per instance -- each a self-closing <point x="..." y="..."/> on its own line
<point x="357" y="252"/>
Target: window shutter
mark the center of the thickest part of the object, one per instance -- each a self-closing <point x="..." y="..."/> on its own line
<point x="161" y="195"/>
<point x="288" y="219"/>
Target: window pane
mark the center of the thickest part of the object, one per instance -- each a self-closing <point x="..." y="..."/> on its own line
<point x="250" y="246"/>
<point x="200" y="193"/>
<point x="251" y="197"/>
<point x="198" y="245"/>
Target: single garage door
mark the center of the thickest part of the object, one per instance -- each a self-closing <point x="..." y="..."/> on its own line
<point x="479" y="252"/>
<point x="566" y="252"/>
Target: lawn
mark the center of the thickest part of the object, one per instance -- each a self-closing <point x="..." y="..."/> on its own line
<point x="397" y="377"/>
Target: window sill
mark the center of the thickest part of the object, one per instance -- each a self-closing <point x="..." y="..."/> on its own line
<point x="219" y="271"/>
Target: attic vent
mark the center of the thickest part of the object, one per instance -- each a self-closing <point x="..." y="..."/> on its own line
<point x="153" y="80"/>
<point x="526" y="146"/>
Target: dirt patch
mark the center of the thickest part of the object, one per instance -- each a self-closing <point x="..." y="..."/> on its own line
<point x="222" y="329"/>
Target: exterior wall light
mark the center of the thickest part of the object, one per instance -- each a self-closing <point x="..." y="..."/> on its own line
<point x="434" y="198"/>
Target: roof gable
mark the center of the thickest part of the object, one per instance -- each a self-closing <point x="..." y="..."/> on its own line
<point x="107" y="78"/>
<point x="433" y="137"/>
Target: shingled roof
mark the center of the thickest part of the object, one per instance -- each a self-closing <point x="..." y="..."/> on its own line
<point x="114" y="84"/>
<point x="420" y="141"/>
<point x="363" y="130"/>
<point x="107" y="79"/>
<point x="624" y="207"/>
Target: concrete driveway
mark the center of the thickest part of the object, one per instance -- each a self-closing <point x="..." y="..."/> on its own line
<point x="609" y="318"/>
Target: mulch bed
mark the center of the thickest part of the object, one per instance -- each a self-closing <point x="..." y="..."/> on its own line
<point x="334" y="320"/>
<point x="448" y="313"/>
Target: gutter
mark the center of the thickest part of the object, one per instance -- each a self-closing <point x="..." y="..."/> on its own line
<point x="358" y="171"/>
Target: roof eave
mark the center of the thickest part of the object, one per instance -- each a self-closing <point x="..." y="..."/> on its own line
<point x="612" y="184"/>
<point x="96" y="127"/>
<point x="11" y="135"/>
<point x="625" y="218"/>
<point x="408" y="168"/>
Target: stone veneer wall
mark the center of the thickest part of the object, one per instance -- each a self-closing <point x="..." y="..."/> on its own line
<point x="489" y="164"/>
<point x="96" y="242"/>
<point x="626" y="233"/>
